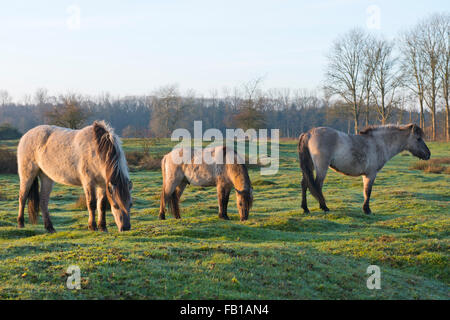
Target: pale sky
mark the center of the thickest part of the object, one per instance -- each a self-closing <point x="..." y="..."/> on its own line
<point x="133" y="47"/>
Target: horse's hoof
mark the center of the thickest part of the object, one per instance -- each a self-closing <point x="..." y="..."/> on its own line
<point x="325" y="209"/>
<point x="51" y="230"/>
<point x="93" y="228"/>
<point x="20" y="225"/>
<point x="162" y="217"/>
<point x="306" y="210"/>
<point x="103" y="229"/>
<point x="224" y="217"/>
<point x="367" y="211"/>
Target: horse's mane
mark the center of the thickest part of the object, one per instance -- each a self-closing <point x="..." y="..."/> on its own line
<point x="110" y="151"/>
<point x="247" y="194"/>
<point x="392" y="127"/>
<point x="241" y="170"/>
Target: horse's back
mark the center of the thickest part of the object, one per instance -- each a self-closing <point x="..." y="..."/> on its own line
<point x="323" y="140"/>
<point x="57" y="151"/>
<point x="199" y="167"/>
<point x="342" y="152"/>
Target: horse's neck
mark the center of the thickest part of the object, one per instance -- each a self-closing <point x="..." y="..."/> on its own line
<point x="393" y="143"/>
<point x="239" y="177"/>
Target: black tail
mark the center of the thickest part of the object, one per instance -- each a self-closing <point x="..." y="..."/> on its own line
<point x="307" y="166"/>
<point x="33" y="201"/>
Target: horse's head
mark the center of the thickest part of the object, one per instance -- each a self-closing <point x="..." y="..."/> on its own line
<point x="415" y="143"/>
<point x="244" y="201"/>
<point x="119" y="196"/>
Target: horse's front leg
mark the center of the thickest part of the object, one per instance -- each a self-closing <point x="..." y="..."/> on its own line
<point x="223" y="195"/>
<point x="101" y="209"/>
<point x="368" y="181"/>
<point x="91" y="203"/>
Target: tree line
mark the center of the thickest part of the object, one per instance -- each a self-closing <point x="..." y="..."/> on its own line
<point x="368" y="80"/>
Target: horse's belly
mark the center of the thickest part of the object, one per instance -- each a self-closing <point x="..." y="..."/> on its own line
<point x="200" y="175"/>
<point x="58" y="172"/>
<point x="347" y="168"/>
<point x="202" y="182"/>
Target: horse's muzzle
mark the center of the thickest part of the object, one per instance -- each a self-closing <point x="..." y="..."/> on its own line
<point x="125" y="227"/>
<point x="426" y="156"/>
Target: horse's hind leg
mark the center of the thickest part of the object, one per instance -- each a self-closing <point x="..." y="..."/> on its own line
<point x="91" y="203"/>
<point x="101" y="209"/>
<point x="169" y="195"/>
<point x="27" y="173"/>
<point x="321" y="173"/>
<point x="44" y="196"/>
<point x="175" y="199"/>
<point x="25" y="186"/>
<point x="304" y="189"/>
<point x="162" y="205"/>
<point x="223" y="195"/>
<point x="368" y="183"/>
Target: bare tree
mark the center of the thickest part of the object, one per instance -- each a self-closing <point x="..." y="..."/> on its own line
<point x="250" y="113"/>
<point x="443" y="27"/>
<point x="167" y="110"/>
<point x="431" y="53"/>
<point x="345" y="75"/>
<point x="5" y="98"/>
<point x="41" y="96"/>
<point x="413" y="67"/>
<point x="68" y="112"/>
<point x="385" y="78"/>
<point x="368" y="71"/>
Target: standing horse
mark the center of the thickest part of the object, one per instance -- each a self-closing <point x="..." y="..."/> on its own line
<point x="218" y="172"/>
<point x="91" y="157"/>
<point x="354" y="155"/>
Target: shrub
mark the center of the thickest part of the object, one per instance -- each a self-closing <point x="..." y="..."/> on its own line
<point x="432" y="168"/>
<point x="436" y="165"/>
<point x="8" y="161"/>
<point x="8" y="132"/>
<point x="81" y="205"/>
<point x="143" y="161"/>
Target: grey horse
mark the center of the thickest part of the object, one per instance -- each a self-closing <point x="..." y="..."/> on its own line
<point x="91" y="157"/>
<point x="354" y="155"/>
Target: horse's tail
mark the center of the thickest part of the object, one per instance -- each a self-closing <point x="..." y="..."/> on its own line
<point x="163" y="172"/>
<point x="173" y="201"/>
<point x="307" y="167"/>
<point x="33" y="201"/>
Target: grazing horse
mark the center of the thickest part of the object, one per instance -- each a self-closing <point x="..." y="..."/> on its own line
<point x="354" y="155"/>
<point x="91" y="157"/>
<point x="217" y="172"/>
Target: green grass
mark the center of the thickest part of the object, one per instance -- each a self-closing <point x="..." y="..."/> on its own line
<point x="279" y="253"/>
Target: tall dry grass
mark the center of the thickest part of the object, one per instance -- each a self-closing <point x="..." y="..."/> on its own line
<point x="437" y="165"/>
<point x="8" y="161"/>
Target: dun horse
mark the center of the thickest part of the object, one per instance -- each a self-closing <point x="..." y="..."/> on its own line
<point x="217" y="172"/>
<point x="354" y="155"/>
<point x="91" y="157"/>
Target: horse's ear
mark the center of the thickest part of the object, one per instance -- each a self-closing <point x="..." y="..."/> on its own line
<point x="415" y="129"/>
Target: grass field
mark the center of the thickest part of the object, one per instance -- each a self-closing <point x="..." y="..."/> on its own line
<point x="279" y="253"/>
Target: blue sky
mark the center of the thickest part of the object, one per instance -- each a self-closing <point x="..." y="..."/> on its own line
<point x="133" y="47"/>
